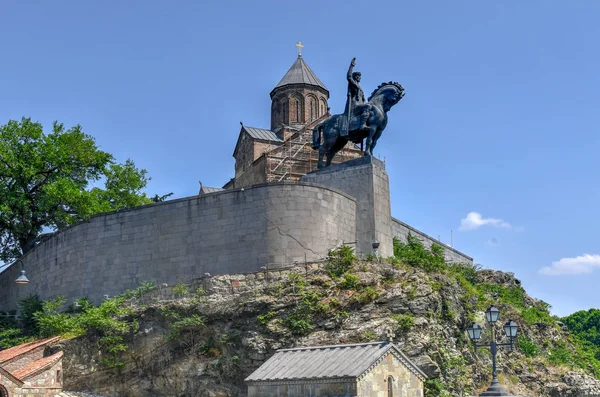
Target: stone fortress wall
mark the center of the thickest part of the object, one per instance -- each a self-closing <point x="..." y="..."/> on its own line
<point x="232" y="231"/>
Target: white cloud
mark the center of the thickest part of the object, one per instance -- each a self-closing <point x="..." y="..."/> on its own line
<point x="582" y="264"/>
<point x="474" y="220"/>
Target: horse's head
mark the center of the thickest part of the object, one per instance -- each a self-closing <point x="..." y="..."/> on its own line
<point x="389" y="94"/>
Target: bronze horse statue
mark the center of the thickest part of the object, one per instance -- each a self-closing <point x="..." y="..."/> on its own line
<point x="367" y="120"/>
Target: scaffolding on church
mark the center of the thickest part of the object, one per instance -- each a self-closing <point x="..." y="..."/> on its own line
<point x="297" y="158"/>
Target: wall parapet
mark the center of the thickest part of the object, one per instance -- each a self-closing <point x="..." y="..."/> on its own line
<point x="222" y="232"/>
<point x="401" y="229"/>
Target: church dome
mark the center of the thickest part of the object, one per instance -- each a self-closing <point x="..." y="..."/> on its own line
<point x="299" y="98"/>
<point x="300" y="73"/>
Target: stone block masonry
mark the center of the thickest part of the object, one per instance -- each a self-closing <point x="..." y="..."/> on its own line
<point x="366" y="180"/>
<point x="225" y="232"/>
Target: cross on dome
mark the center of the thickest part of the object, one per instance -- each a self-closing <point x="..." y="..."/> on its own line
<point x="300" y="47"/>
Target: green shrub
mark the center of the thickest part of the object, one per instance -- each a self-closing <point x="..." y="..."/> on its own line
<point x="266" y="318"/>
<point x="10" y="337"/>
<point x="405" y="321"/>
<point x="28" y="307"/>
<point x="368" y="336"/>
<point x="367" y="295"/>
<point x="371" y="257"/>
<point x="414" y="253"/>
<point x="350" y="282"/>
<point x="560" y="356"/>
<point x="528" y="348"/>
<point x="181" y="289"/>
<point x="435" y="388"/>
<point x="298" y="324"/>
<point x="534" y="315"/>
<point x="340" y="261"/>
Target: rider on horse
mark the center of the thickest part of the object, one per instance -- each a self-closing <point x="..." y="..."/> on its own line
<point x="356" y="97"/>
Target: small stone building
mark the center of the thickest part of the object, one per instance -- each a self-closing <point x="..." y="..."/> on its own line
<point x="26" y="370"/>
<point x="377" y="369"/>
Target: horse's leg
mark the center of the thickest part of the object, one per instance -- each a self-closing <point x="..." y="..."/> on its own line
<point x="369" y="144"/>
<point x="336" y="147"/>
<point x="322" y="152"/>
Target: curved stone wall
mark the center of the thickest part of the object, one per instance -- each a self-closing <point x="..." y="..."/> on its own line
<point x="225" y="232"/>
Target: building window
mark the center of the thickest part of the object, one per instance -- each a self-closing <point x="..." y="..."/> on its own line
<point x="3" y="391"/>
<point x="312" y="110"/>
<point x="58" y="376"/>
<point x="297" y="110"/>
<point x="390" y="385"/>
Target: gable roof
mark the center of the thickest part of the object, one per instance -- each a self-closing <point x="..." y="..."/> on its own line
<point x="300" y="73"/>
<point x="338" y="361"/>
<point x="9" y="354"/>
<point x="37" y="366"/>
<point x="10" y="376"/>
<point x="258" y="134"/>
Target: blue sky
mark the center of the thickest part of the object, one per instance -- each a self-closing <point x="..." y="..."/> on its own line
<point x="500" y="119"/>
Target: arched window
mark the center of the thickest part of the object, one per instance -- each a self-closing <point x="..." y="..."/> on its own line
<point x="3" y="391"/>
<point x="323" y="105"/>
<point x="297" y="110"/>
<point x="286" y="113"/>
<point x="390" y="384"/>
<point x="312" y="110"/>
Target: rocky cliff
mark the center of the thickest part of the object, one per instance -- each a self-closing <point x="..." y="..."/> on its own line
<point x="204" y="338"/>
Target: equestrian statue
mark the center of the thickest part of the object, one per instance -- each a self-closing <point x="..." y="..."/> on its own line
<point x="361" y="119"/>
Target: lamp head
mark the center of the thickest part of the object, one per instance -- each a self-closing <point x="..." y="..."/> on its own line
<point x="492" y="314"/>
<point x="22" y="279"/>
<point x="511" y="328"/>
<point x="474" y="332"/>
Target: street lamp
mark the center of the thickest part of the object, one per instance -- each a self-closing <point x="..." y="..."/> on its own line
<point x="510" y="328"/>
<point x="22" y="279"/>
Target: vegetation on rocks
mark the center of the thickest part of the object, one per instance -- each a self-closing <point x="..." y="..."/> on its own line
<point x="152" y="341"/>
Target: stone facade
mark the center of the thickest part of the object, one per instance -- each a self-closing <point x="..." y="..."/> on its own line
<point x="315" y="388"/>
<point x="366" y="180"/>
<point x="390" y="378"/>
<point x="230" y="231"/>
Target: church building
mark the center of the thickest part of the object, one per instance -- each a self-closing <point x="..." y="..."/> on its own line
<point x="284" y="152"/>
<point x="28" y="370"/>
<point x="359" y="370"/>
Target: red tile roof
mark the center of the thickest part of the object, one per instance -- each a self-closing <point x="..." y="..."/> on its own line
<point x="11" y="377"/>
<point x="36" y="366"/>
<point x="9" y="354"/>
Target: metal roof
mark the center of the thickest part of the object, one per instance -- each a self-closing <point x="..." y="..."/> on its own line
<point x="339" y="361"/>
<point x="300" y="73"/>
<point x="259" y="133"/>
<point x="207" y="189"/>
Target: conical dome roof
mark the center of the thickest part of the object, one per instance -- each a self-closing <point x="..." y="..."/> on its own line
<point x="300" y="73"/>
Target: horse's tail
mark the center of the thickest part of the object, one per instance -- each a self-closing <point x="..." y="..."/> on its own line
<point x="317" y="136"/>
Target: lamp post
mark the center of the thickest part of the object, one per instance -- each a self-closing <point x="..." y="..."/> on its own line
<point x="474" y="332"/>
<point x="22" y="279"/>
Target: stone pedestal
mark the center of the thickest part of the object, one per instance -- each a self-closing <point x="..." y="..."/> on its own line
<point x="366" y="180"/>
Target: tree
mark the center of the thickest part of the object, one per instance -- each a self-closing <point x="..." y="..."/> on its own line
<point x="50" y="181"/>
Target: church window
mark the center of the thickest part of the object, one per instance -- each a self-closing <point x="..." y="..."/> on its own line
<point x="297" y="110"/>
<point x="390" y="385"/>
<point x="312" y="110"/>
<point x="286" y="113"/>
